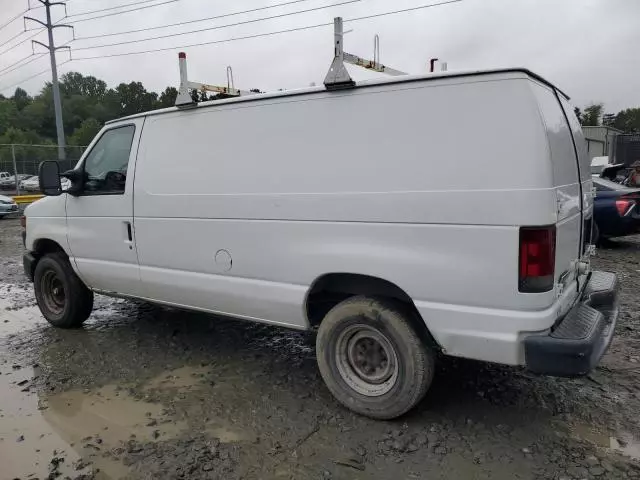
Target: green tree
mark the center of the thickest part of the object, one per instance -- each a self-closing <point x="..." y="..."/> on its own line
<point x="592" y="114"/>
<point x="74" y="83"/>
<point x="21" y="98"/>
<point x="168" y="97"/>
<point x="39" y="114"/>
<point x="134" y="98"/>
<point x="8" y="114"/>
<point x="85" y="132"/>
<point x="628" y="120"/>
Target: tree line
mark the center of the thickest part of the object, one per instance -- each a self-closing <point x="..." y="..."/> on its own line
<point x="87" y="103"/>
<point x="627" y="121"/>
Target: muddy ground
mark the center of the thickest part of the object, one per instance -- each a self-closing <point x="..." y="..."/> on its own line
<point x="147" y="392"/>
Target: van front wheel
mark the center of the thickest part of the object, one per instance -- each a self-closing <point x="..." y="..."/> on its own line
<point x="62" y="297"/>
<point x="372" y="359"/>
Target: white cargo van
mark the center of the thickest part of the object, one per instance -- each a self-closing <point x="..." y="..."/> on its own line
<point x="404" y="218"/>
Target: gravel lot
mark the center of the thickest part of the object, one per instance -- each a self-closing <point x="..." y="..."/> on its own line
<point x="147" y="392"/>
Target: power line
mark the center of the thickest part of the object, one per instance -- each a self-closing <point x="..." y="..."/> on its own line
<point x="12" y="38"/>
<point x="14" y="19"/>
<point x="127" y="11"/>
<point x="268" y="34"/>
<point x="193" y="21"/>
<point x="15" y="63"/>
<point x="111" y="8"/>
<point x="46" y="70"/>
<point x="345" y="2"/>
<point x="206" y="43"/>
<point x="35" y="57"/>
<point x="21" y="42"/>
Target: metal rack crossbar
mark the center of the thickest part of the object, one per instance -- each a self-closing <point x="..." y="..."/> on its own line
<point x="338" y="77"/>
<point x="184" y="97"/>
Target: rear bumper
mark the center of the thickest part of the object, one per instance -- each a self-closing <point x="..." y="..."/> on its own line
<point x="574" y="346"/>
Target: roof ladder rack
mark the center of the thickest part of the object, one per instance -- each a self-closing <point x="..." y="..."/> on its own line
<point x="338" y="77"/>
<point x="184" y="97"/>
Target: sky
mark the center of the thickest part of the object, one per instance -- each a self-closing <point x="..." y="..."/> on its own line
<point x="588" y="48"/>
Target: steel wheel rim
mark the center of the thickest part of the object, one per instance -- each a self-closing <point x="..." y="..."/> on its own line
<point x="53" y="293"/>
<point x="366" y="360"/>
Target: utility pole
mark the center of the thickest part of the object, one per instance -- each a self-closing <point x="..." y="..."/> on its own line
<point x="57" y="105"/>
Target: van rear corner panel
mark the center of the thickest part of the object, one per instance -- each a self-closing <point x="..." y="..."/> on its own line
<point x="569" y="169"/>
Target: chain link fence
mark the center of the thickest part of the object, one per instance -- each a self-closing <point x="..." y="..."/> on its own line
<point x="23" y="161"/>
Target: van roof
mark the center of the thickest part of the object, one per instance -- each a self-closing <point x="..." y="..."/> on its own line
<point x="364" y="83"/>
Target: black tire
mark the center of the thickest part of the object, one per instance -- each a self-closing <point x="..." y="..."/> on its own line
<point x="343" y="365"/>
<point x="63" y="299"/>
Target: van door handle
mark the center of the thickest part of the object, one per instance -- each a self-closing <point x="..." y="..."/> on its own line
<point x="129" y="240"/>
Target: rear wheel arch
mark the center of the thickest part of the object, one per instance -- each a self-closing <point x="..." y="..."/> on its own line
<point x="329" y="289"/>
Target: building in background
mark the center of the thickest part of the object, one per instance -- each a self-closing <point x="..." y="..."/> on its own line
<point x="601" y="141"/>
<point x="628" y="148"/>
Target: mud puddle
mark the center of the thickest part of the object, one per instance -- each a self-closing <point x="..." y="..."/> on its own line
<point x="621" y="442"/>
<point x="76" y="432"/>
<point x="18" y="310"/>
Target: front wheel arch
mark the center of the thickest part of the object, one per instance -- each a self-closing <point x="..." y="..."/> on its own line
<point x="42" y="247"/>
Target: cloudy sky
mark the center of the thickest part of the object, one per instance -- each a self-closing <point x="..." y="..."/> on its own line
<point x="589" y="48"/>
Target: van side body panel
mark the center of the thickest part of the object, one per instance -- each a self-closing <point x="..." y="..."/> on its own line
<point x="239" y="207"/>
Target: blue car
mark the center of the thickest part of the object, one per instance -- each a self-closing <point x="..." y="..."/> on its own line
<point x="616" y="210"/>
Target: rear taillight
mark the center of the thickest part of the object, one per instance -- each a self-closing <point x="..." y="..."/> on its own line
<point x="537" y="259"/>
<point x="623" y="205"/>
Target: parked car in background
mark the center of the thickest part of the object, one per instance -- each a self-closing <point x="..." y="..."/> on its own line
<point x="4" y="175"/>
<point x="7" y="206"/>
<point x="30" y="184"/>
<point x="9" y="183"/>
<point x="616" y="210"/>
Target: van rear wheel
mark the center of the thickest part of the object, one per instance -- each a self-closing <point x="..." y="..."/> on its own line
<point x="62" y="297"/>
<point x="372" y="359"/>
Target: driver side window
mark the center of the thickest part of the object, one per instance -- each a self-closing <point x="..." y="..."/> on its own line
<point x="105" y="167"/>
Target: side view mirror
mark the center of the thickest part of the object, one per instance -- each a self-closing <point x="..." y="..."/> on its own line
<point x="73" y="183"/>
<point x="49" y="176"/>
